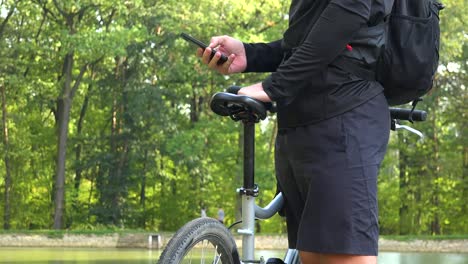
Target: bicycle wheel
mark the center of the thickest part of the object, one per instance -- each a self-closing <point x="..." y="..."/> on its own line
<point x="203" y="240"/>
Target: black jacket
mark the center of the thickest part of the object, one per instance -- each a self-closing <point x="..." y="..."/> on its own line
<point x="304" y="83"/>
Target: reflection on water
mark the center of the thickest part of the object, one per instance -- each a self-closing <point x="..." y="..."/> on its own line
<point x="422" y="258"/>
<point x="77" y="255"/>
<point x="140" y="256"/>
<point x="401" y="258"/>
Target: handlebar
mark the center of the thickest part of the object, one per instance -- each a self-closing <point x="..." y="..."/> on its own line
<point x="407" y="114"/>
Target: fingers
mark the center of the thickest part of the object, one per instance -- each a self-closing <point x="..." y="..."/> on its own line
<point x="200" y="52"/>
<point x="255" y="91"/>
<point x="217" y="41"/>
<point x="225" y="66"/>
<point x="212" y="61"/>
<point x="206" y="56"/>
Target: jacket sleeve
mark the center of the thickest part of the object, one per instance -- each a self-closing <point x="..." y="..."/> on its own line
<point x="263" y="57"/>
<point x="329" y="36"/>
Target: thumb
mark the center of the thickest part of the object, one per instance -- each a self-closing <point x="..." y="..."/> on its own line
<point x="217" y="41"/>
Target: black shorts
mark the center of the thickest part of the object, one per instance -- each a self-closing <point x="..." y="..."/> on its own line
<point x="328" y="174"/>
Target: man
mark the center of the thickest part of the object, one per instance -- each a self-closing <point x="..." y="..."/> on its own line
<point x="333" y="126"/>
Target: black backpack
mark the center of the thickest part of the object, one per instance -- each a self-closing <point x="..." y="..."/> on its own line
<point x="409" y="59"/>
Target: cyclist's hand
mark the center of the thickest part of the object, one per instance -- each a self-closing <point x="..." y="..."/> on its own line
<point x="231" y="47"/>
<point x="255" y="91"/>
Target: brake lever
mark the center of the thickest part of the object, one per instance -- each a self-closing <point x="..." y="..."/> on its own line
<point x="410" y="129"/>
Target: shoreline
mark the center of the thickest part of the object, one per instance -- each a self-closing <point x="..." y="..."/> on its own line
<point x="159" y="240"/>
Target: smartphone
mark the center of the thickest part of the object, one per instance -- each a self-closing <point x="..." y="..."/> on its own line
<point x="202" y="45"/>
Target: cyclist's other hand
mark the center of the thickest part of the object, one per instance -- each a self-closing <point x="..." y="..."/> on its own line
<point x="255" y="91"/>
<point x="232" y="48"/>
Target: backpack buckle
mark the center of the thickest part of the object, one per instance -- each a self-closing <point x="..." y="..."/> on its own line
<point x="415" y="102"/>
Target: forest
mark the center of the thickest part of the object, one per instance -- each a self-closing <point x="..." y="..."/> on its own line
<point x="106" y="121"/>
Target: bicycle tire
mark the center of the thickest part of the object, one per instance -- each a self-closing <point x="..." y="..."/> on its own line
<point x="194" y="235"/>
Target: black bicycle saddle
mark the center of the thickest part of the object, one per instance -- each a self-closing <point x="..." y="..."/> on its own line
<point x="238" y="107"/>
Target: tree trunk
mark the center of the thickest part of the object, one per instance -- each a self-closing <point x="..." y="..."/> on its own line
<point x="143" y="191"/>
<point x="435" y="223"/>
<point x="6" y="159"/>
<point x="78" y="149"/>
<point x="62" y="120"/>
<point x="9" y="14"/>
<point x="120" y="184"/>
<point x="109" y="195"/>
<point x="194" y="107"/>
<point x="464" y="179"/>
<point x="405" y="218"/>
<point x="115" y="191"/>
<point x="64" y="103"/>
<point x="63" y="112"/>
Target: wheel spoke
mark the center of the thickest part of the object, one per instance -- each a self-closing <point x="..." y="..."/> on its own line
<point x="191" y="256"/>
<point x="202" y="252"/>
<point x="217" y="257"/>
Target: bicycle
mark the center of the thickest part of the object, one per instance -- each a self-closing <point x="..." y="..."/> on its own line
<point x="207" y="240"/>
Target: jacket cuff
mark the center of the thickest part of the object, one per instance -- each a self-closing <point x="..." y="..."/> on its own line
<point x="250" y="54"/>
<point x="267" y="84"/>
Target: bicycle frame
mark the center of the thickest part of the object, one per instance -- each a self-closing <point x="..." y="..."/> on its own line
<point x="251" y="211"/>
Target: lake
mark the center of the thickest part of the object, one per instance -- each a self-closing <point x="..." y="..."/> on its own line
<point x="140" y="256"/>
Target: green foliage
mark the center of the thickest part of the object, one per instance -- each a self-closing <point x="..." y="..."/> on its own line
<point x="145" y="151"/>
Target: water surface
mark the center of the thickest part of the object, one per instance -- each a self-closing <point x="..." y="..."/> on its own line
<point x="142" y="256"/>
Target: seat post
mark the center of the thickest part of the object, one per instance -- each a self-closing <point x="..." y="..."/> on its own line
<point x="249" y="155"/>
<point x="248" y="193"/>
